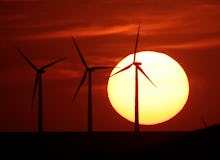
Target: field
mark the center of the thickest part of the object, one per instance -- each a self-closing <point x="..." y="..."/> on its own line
<point x="112" y="145"/>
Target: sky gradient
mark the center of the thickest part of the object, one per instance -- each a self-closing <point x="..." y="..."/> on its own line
<point x="188" y="31"/>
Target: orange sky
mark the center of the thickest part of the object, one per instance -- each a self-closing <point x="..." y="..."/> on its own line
<point x="188" y="31"/>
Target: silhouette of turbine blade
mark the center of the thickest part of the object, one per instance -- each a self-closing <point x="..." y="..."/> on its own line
<point x="52" y="63"/>
<point x="79" y="52"/>
<point x="136" y="44"/>
<point x="204" y="122"/>
<point x="125" y="68"/>
<point x="80" y="84"/>
<point x="102" y="67"/>
<point x="35" y="88"/>
<point x="139" y="68"/>
<point x="29" y="62"/>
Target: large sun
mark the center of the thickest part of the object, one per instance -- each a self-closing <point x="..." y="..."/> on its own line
<point x="156" y="104"/>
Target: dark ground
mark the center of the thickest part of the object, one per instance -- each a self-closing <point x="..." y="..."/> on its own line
<point x="204" y="143"/>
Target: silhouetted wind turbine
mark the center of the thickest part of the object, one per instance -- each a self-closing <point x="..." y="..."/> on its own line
<point x="38" y="82"/>
<point x="137" y="68"/>
<point x="204" y="122"/>
<point x="88" y="71"/>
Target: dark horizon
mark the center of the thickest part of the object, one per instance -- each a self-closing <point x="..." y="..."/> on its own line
<point x="117" y="145"/>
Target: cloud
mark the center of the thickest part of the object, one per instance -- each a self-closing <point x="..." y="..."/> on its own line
<point x="66" y="74"/>
<point x="81" y="32"/>
<point x="19" y="0"/>
<point x="164" y="24"/>
<point x="192" y="44"/>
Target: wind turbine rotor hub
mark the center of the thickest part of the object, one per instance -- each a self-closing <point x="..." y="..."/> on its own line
<point x="42" y="71"/>
<point x="91" y="69"/>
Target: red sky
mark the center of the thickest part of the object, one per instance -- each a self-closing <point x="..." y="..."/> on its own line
<point x="188" y="31"/>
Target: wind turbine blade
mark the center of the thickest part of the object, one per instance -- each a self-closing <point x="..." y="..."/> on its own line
<point x="102" y="67"/>
<point x="80" y="84"/>
<point x="136" y="43"/>
<point x="125" y="68"/>
<point x="52" y="63"/>
<point x="146" y="75"/>
<point x="79" y="52"/>
<point x="35" y="88"/>
<point x="29" y="62"/>
<point x="204" y="122"/>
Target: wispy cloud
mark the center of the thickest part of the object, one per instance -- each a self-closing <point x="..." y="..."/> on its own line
<point x="19" y="0"/>
<point x="82" y="32"/>
<point x="192" y="44"/>
<point x="67" y="73"/>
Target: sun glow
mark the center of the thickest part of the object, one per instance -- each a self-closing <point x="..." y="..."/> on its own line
<point x="156" y="104"/>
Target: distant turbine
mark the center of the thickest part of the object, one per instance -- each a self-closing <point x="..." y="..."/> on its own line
<point x="137" y="67"/>
<point x="38" y="81"/>
<point x="88" y="70"/>
<point x="204" y="122"/>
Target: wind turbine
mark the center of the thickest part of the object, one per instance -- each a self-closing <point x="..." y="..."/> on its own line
<point x="38" y="82"/>
<point x="204" y="122"/>
<point x="137" y="68"/>
<point x="88" y="71"/>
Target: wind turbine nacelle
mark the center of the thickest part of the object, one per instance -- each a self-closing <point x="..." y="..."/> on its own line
<point x="91" y="68"/>
<point x="137" y="63"/>
<point x="42" y="71"/>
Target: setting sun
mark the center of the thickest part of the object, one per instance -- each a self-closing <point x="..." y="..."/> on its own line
<point x="156" y="104"/>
